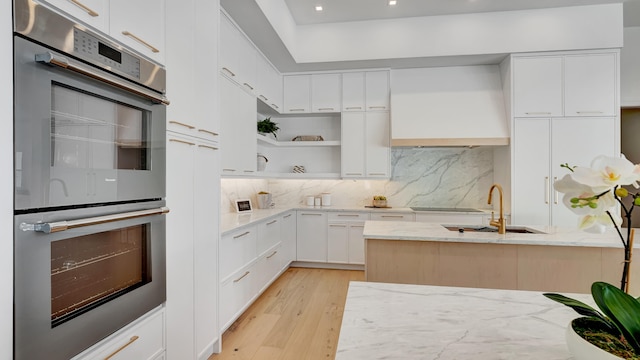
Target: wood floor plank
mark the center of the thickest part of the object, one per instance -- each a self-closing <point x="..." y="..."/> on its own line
<point x="297" y="317"/>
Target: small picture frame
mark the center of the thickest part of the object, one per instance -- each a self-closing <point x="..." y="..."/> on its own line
<point x="243" y="206"/>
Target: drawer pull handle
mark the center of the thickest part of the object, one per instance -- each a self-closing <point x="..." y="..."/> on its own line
<point x="228" y="169"/>
<point x="588" y="112"/>
<point x="249" y="171"/>
<point x="392" y="216"/>
<point x="286" y="216"/>
<point x="229" y="71"/>
<point x="538" y="113"/>
<point x="311" y="214"/>
<point x="151" y="47"/>
<point x="263" y="97"/>
<point x="243" y="234"/>
<point x="182" y="124"/>
<point x="241" y="277"/>
<point x="377" y="174"/>
<point x="275" y="106"/>
<point x="296" y="109"/>
<point x="546" y="189"/>
<point x="133" y="338"/>
<point x="248" y="85"/>
<point x="358" y="226"/>
<point x="208" y="132"/>
<point x="182" y="142"/>
<point x="272" y="255"/>
<point x="353" y="108"/>
<point x="555" y="197"/>
<point x="377" y="107"/>
<point x="208" y="147"/>
<point x="349" y="215"/>
<point x="325" y="109"/>
<point x="352" y="174"/>
<point x="337" y="225"/>
<point x="272" y="222"/>
<point x="85" y="8"/>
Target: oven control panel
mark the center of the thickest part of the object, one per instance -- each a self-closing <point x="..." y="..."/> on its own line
<point x="89" y="47"/>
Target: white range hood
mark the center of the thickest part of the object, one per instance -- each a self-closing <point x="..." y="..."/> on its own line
<point x="448" y="106"/>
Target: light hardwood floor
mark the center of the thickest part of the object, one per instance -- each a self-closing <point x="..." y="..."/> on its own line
<point x="298" y="317"/>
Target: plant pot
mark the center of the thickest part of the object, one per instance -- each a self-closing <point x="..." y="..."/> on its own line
<point x="264" y="201"/>
<point x="380" y="203"/>
<point x="581" y="349"/>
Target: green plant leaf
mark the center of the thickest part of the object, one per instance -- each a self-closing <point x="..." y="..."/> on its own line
<point x="584" y="309"/>
<point x="621" y="308"/>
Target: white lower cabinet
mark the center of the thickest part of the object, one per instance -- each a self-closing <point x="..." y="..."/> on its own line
<point x="269" y="266"/>
<point x="345" y="243"/>
<point x="237" y="249"/>
<point x="311" y="236"/>
<point x="268" y="234"/>
<point x="141" y="340"/>
<point x="235" y="293"/>
<point x="288" y="229"/>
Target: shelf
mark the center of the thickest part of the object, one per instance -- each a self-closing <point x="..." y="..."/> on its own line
<point x="272" y="142"/>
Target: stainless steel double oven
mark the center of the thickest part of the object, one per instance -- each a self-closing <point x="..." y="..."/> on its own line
<point x="89" y="148"/>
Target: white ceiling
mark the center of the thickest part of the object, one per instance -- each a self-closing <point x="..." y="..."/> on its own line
<point x="247" y="14"/>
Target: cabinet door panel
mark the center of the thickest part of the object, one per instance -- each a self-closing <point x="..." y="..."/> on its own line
<point x="297" y="93"/>
<point x="377" y="90"/>
<point x="353" y="144"/>
<point x="228" y="57"/>
<point x="378" y="144"/>
<point x="577" y="141"/>
<point x="238" y="128"/>
<point x="82" y="10"/>
<point x="353" y="92"/>
<point x="289" y="237"/>
<point x="338" y="243"/>
<point x="532" y="183"/>
<point x="590" y="85"/>
<point x="325" y="93"/>
<point x="356" y="244"/>
<point x="537" y="86"/>
<point x="312" y="236"/>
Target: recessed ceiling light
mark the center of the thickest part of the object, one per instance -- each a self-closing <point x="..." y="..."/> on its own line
<point x="318" y="7"/>
<point x="392" y="2"/>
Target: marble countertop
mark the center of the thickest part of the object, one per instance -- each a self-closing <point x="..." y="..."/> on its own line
<point x="549" y="235"/>
<point x="234" y="221"/>
<point x="398" y="321"/>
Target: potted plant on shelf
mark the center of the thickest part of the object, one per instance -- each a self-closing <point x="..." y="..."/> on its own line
<point x="267" y="126"/>
<point x="594" y="194"/>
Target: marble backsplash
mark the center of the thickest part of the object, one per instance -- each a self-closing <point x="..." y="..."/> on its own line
<point x="435" y="177"/>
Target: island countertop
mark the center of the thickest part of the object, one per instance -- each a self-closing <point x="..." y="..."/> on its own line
<point x="398" y="321"/>
<point x="547" y="235"/>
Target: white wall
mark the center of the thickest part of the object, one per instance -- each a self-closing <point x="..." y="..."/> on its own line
<point x="630" y="68"/>
<point x="568" y="28"/>
<point x="6" y="183"/>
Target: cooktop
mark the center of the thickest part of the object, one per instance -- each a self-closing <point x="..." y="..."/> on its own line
<point x="417" y="208"/>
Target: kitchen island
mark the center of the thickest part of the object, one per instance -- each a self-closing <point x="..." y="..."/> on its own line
<point x="550" y="259"/>
<point x="398" y="321"/>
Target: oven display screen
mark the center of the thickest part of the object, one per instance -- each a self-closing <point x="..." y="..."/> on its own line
<point x="110" y="52"/>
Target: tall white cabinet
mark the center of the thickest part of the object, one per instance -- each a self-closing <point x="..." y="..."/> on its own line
<point x="565" y="110"/>
<point x="193" y="178"/>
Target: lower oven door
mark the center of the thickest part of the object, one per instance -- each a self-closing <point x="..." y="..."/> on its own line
<point x="82" y="274"/>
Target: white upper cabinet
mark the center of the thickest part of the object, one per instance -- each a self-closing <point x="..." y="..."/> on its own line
<point x="537" y="86"/>
<point x="325" y="93"/>
<point x="566" y="85"/>
<point x="268" y="83"/>
<point x="353" y="144"/>
<point x="365" y="145"/>
<point x="365" y="91"/>
<point x="353" y="92"/>
<point x="590" y="85"/>
<point x="238" y="129"/>
<point x="378" y="146"/>
<point x="139" y="25"/>
<point x="94" y="13"/>
<point x="377" y="90"/>
<point x="238" y="56"/>
<point x="297" y="94"/>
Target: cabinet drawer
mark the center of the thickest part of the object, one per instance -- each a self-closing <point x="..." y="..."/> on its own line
<point x="269" y="233"/>
<point x="143" y="340"/>
<point x="348" y="216"/>
<point x="390" y="216"/>
<point x="268" y="267"/>
<point x="237" y="249"/>
<point x="235" y="293"/>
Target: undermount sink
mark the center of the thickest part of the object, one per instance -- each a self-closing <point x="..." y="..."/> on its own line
<point x="480" y="228"/>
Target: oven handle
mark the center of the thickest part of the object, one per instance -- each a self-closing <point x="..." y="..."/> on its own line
<point x="65" y="225"/>
<point x="51" y="59"/>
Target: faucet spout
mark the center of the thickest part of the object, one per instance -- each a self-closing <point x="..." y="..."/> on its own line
<point x="501" y="223"/>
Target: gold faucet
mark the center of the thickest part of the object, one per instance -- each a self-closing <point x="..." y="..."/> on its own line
<point x="501" y="223"/>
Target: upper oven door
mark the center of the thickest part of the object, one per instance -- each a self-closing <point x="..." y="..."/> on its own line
<point x="79" y="139"/>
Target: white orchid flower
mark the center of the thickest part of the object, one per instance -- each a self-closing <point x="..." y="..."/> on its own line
<point x="607" y="172"/>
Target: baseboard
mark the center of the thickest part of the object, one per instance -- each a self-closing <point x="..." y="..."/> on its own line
<point x="334" y="266"/>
